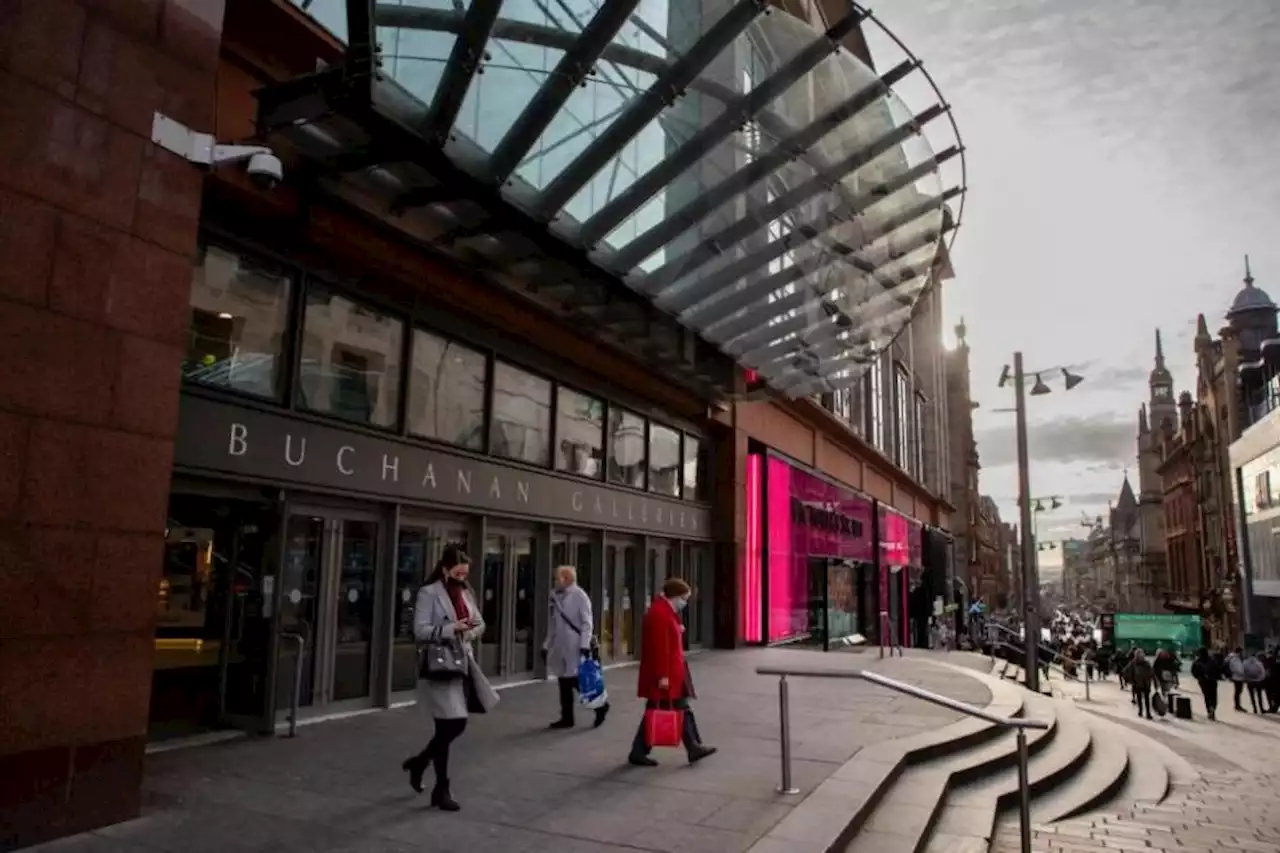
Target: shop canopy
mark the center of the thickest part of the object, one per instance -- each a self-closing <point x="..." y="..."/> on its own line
<point x="708" y="184"/>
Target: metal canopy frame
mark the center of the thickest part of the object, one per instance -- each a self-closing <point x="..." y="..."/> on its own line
<point x="736" y="113"/>
<point x="485" y="203"/>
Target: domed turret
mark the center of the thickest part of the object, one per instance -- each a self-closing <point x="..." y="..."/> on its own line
<point x="1252" y="314"/>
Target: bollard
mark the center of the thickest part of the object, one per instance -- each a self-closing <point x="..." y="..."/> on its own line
<point x="784" y="716"/>
<point x="1087" y="697"/>
<point x="1024" y="791"/>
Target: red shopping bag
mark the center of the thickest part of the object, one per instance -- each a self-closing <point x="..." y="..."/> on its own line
<point x="663" y="727"/>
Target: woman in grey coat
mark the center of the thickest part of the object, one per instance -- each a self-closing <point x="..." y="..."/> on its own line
<point x="570" y="635"/>
<point x="446" y="612"/>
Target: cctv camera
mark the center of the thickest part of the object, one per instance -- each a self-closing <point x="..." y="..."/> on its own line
<point x="265" y="170"/>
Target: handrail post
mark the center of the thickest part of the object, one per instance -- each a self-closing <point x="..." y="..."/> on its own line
<point x="884" y="630"/>
<point x="297" y="681"/>
<point x="1087" y="697"/>
<point x="1024" y="791"/>
<point x="784" y="718"/>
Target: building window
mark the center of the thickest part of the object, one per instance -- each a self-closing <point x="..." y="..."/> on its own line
<point x="842" y="403"/>
<point x="919" y="425"/>
<point x="664" y="460"/>
<point x="875" y="404"/>
<point x="239" y="313"/>
<point x="626" y="448"/>
<point x="901" y="417"/>
<point x="695" y="466"/>
<point x="350" y="360"/>
<point x="521" y="415"/>
<point x="579" y="433"/>
<point x="447" y="391"/>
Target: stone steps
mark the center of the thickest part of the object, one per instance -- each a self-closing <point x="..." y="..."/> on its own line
<point x="958" y="792"/>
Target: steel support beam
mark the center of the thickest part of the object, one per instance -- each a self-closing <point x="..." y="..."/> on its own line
<point x="736" y="113"/>
<point x="740" y="181"/>
<point x="761" y="340"/>
<point x="721" y="241"/>
<point x="572" y="69"/>
<point x="644" y="108"/>
<point x="464" y="63"/>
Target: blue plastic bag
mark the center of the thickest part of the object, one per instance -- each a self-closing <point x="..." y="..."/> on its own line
<point x="591" y="690"/>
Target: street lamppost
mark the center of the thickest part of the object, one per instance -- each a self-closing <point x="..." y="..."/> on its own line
<point x="1030" y="572"/>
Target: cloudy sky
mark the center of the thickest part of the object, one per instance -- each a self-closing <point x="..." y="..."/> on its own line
<point x="1121" y="161"/>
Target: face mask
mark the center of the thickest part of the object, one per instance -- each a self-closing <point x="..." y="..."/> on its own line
<point x="679" y="603"/>
<point x="455" y="581"/>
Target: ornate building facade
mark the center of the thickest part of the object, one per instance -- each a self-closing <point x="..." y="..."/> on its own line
<point x="1148" y="582"/>
<point x="963" y="465"/>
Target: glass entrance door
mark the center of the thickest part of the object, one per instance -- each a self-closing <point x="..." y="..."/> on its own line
<point x="506" y="589"/>
<point x="696" y="571"/>
<point x="621" y="612"/>
<point x="418" y="549"/>
<point x="329" y="594"/>
<point x="576" y="548"/>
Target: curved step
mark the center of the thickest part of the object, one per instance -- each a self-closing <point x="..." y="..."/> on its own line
<point x="1101" y="777"/>
<point x="972" y="809"/>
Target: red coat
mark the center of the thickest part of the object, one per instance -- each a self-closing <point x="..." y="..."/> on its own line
<point x="661" y="653"/>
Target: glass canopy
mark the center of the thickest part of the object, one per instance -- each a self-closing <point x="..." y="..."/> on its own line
<point x="733" y="164"/>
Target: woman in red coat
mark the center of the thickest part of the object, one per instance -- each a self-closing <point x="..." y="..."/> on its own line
<point x="664" y="676"/>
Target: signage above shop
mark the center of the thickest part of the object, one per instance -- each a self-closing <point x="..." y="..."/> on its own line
<point x="228" y="439"/>
<point x="824" y="518"/>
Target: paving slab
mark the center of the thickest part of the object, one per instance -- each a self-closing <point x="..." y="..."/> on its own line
<point x="338" y="786"/>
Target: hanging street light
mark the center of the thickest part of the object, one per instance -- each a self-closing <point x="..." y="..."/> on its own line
<point x="1039" y="389"/>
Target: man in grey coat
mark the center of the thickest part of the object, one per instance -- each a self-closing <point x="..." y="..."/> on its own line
<point x="570" y="638"/>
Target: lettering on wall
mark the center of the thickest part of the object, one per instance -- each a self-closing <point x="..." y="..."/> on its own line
<point x="824" y="518"/>
<point x="222" y="437"/>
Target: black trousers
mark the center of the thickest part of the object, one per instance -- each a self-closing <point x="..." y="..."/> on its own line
<point x="568" y="686"/>
<point x="1210" y="691"/>
<point x="1142" y="698"/>
<point x="1255" y="697"/>
<point x="437" y="750"/>
<point x="690" y="737"/>
<point x="1239" y="689"/>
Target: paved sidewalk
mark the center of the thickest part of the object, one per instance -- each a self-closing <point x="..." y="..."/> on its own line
<point x="338" y="786"/>
<point x="1230" y="808"/>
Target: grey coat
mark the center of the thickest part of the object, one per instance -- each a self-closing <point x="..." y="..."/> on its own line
<point x="564" y="646"/>
<point x="433" y="618"/>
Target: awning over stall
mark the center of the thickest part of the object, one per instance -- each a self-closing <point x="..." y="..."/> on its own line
<point x="706" y="183"/>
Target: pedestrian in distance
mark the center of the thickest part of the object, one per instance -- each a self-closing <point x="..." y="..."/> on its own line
<point x="1140" y="674"/>
<point x="1255" y="673"/>
<point x="1207" y="674"/>
<point x="446" y="624"/>
<point x="1235" y="669"/>
<point x="570" y="641"/>
<point x="664" y="675"/>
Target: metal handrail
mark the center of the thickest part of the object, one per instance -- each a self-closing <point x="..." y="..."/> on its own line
<point x="1018" y="724"/>
<point x="1066" y="676"/>
<point x="301" y="640"/>
<point x="1041" y="646"/>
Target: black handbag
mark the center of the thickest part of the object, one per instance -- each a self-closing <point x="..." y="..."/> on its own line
<point x="442" y="662"/>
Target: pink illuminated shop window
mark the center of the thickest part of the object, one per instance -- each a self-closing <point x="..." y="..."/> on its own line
<point x="751" y="616"/>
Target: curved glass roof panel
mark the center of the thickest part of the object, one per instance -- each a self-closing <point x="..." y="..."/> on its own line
<point x="725" y="159"/>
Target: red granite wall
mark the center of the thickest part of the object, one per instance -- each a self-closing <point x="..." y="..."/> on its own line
<point x="97" y="232"/>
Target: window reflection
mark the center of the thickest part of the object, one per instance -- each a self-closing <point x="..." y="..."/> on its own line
<point x="664" y="460"/>
<point x="693" y="466"/>
<point x="446" y="391"/>
<point x="626" y="448"/>
<point x="521" y="415"/>
<point x="239" y="310"/>
<point x="579" y="433"/>
<point x="330" y="14"/>
<point x="350" y="360"/>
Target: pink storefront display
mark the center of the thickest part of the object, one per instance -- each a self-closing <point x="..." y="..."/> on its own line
<point x="901" y="560"/>
<point x="803" y="534"/>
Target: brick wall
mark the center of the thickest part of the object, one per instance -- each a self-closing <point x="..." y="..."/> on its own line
<point x="97" y="230"/>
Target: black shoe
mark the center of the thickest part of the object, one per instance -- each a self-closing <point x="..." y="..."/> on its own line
<point x="641" y="761"/>
<point x="561" y="724"/>
<point x="441" y="799"/>
<point x="601" y="713"/>
<point x="700" y="752"/>
<point x="416" y="766"/>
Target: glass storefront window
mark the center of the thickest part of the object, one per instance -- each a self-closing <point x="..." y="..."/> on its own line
<point x="239" y="313"/>
<point x="330" y="14"/>
<point x="626" y="448"/>
<point x="350" y="360"/>
<point x="447" y="391"/>
<point x="579" y="433"/>
<point x="521" y="415"/>
<point x="695" y="465"/>
<point x="664" y="460"/>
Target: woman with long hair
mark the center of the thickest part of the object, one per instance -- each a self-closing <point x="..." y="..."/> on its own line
<point x="446" y="614"/>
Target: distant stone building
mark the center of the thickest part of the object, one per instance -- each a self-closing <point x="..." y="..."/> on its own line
<point x="1150" y="580"/>
<point x="963" y="474"/>
<point x="990" y="575"/>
